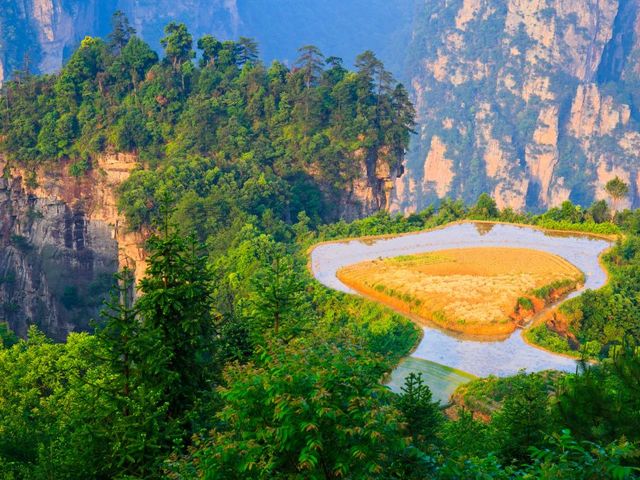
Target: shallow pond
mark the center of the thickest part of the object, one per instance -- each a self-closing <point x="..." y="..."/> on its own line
<point x="501" y="357"/>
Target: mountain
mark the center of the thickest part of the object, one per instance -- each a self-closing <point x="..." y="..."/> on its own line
<point x="49" y="30"/>
<point x="534" y="102"/>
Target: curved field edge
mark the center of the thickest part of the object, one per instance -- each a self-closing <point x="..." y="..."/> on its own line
<point x="365" y="278"/>
<point x="533" y="341"/>
<point x="539" y="335"/>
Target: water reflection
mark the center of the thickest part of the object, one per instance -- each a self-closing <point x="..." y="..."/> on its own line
<point x="484" y="227"/>
<point x="498" y="357"/>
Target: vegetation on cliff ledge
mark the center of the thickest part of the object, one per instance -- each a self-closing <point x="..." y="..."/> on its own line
<point x="233" y="363"/>
<point x="274" y="138"/>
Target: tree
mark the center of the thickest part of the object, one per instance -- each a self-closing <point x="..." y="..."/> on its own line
<point x="247" y="51"/>
<point x="137" y="58"/>
<point x="311" y="409"/>
<point x="176" y="302"/>
<point x="484" y="209"/>
<point x="122" y="32"/>
<point x="599" y="211"/>
<point x="133" y="420"/>
<point x="617" y="189"/>
<point x="420" y="411"/>
<point x="131" y="133"/>
<point x="277" y="290"/>
<point x="210" y="47"/>
<point x="310" y="62"/>
<point x="177" y="44"/>
<point x="523" y="419"/>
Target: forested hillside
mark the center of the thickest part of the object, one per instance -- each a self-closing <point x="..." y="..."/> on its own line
<point x="238" y="365"/>
<point x="313" y="131"/>
<point x="228" y="137"/>
<point x="227" y="360"/>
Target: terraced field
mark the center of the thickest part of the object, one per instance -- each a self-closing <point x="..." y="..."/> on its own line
<point x="483" y="291"/>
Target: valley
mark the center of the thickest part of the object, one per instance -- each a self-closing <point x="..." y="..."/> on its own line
<point x="501" y="355"/>
<point x="230" y="259"/>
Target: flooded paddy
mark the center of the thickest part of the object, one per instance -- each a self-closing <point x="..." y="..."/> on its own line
<point x="476" y="356"/>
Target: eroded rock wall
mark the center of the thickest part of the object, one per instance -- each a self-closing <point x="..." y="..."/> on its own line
<point x="531" y="101"/>
<point x="372" y="188"/>
<point x="61" y="241"/>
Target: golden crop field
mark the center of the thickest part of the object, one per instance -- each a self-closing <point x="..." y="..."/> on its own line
<point x="469" y="290"/>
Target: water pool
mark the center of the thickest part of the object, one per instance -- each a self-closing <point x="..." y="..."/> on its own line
<point x="500" y="357"/>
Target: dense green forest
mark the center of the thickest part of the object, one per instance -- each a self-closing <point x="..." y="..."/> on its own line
<point x="233" y="363"/>
<point x="271" y="139"/>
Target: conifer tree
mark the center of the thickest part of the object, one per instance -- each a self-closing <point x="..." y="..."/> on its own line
<point x="176" y="301"/>
<point x="420" y="411"/>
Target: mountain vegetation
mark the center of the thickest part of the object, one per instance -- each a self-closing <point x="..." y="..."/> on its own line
<point x="232" y="363"/>
<point x="272" y="137"/>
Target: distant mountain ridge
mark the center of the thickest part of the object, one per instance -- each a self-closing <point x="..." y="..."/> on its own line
<point x="49" y="30"/>
<point x="532" y="102"/>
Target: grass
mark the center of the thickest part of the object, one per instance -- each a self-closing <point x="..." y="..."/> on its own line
<point x="442" y="380"/>
<point x="470" y="290"/>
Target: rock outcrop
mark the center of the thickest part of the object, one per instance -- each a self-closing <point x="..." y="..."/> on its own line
<point x="373" y="185"/>
<point x="533" y="102"/>
<point x="61" y="241"/>
<point x="49" y="30"/>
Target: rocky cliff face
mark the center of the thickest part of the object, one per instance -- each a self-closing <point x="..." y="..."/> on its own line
<point x="61" y="241"/>
<point x="372" y="189"/>
<point x="49" y="30"/>
<point x="532" y="101"/>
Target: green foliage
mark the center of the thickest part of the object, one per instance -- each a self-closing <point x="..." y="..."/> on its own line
<point x="525" y="303"/>
<point x="280" y="141"/>
<point x="420" y="411"/>
<point x="277" y="296"/>
<point x="7" y="337"/>
<point x="311" y="408"/>
<point x="233" y="362"/>
<point x="617" y="190"/>
<point x="545" y="292"/>
<point x="567" y="458"/>
<point x="541" y="335"/>
<point x="587" y="227"/>
<point x="602" y="403"/>
<point x="484" y="209"/>
<point x="523" y="419"/>
<point x="176" y="304"/>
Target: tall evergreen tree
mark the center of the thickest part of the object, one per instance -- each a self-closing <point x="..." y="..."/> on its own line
<point x="122" y="32"/>
<point x="176" y="301"/>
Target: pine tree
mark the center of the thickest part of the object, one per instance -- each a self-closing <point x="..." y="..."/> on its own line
<point x="247" y="51"/>
<point x="121" y="33"/>
<point x="421" y="413"/>
<point x="176" y="301"/>
<point x="133" y="417"/>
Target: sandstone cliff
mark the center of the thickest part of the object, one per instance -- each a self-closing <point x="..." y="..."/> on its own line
<point x="49" y="30"/>
<point x="374" y="182"/>
<point x="532" y="101"/>
<point x="61" y="241"/>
